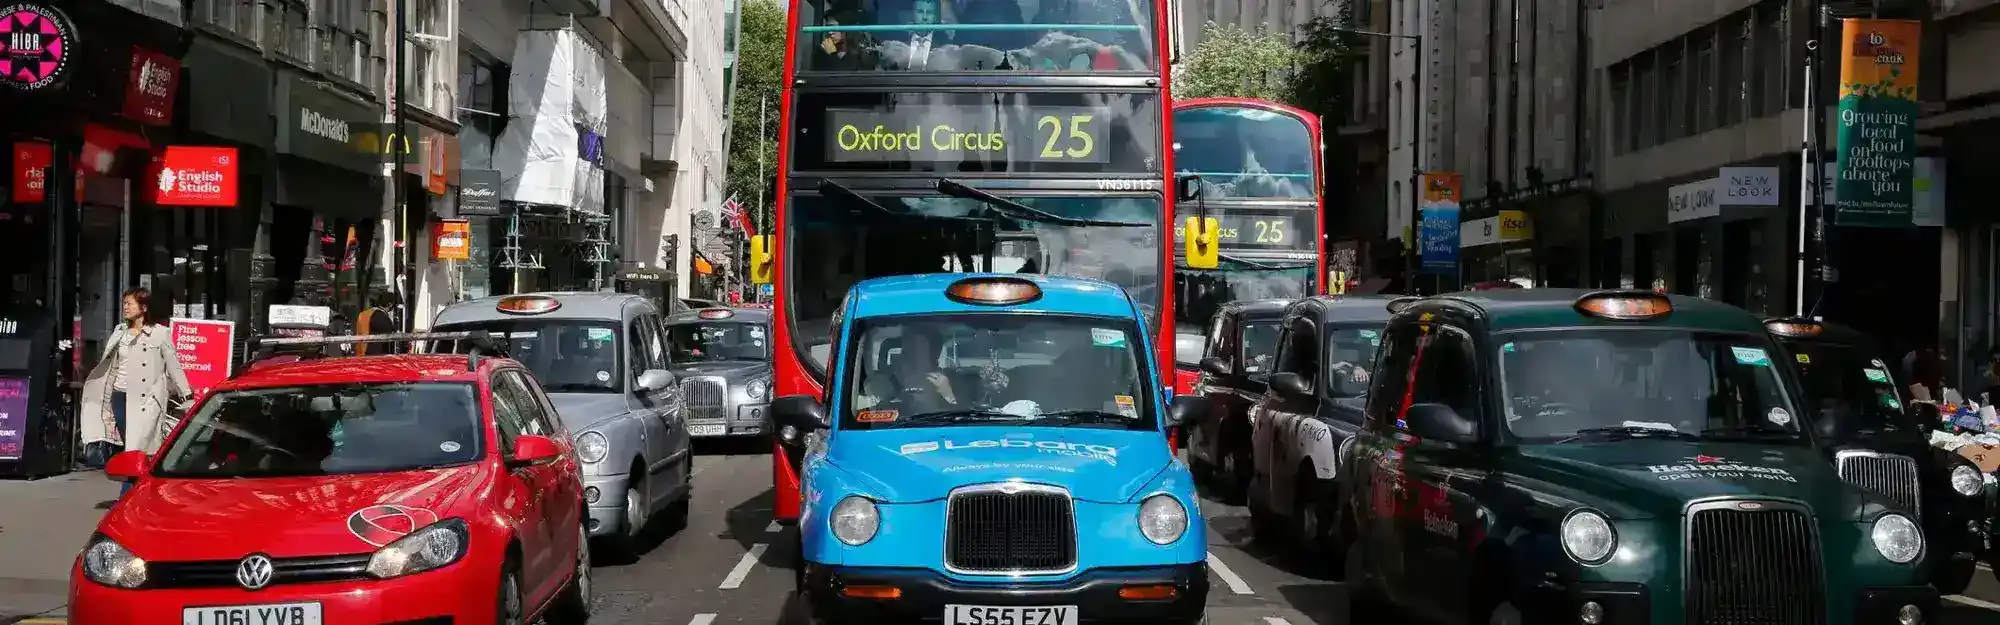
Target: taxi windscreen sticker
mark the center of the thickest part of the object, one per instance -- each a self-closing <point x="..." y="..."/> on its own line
<point x="1877" y="376"/>
<point x="382" y="524"/>
<point x="598" y="334"/>
<point x="1779" y="416"/>
<point x="604" y="376"/>
<point x="449" y="446"/>
<point x="1753" y="356"/>
<point x="1803" y="359"/>
<point x="1103" y="337"/>
<point x="1508" y="348"/>
<point x="1706" y="467"/>
<point x="876" y="416"/>
<point x="1889" y="400"/>
<point x="1126" y="405"/>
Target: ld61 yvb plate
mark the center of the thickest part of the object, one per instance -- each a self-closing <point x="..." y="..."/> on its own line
<point x="1009" y="615"/>
<point x="266" y="614"/>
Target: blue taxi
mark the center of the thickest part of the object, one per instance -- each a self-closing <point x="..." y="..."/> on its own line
<point x="993" y="450"/>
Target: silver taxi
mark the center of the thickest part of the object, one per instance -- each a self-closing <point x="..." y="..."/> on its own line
<point x="722" y="357"/>
<point x="602" y="358"/>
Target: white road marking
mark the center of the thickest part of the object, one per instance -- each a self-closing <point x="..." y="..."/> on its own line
<point x="1964" y="600"/>
<point x="1236" y="584"/>
<point x="742" y="570"/>
<point x="702" y="619"/>
<point x="773" y="528"/>
<point x="1273" y="620"/>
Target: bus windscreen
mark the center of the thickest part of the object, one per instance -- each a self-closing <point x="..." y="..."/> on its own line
<point x="1245" y="152"/>
<point x="976" y="35"/>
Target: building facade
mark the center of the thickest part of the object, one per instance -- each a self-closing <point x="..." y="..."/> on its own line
<point x="1966" y="120"/>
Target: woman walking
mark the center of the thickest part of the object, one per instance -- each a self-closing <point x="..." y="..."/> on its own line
<point x="133" y="386"/>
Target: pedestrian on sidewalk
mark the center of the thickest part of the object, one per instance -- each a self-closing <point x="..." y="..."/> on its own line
<point x="129" y="396"/>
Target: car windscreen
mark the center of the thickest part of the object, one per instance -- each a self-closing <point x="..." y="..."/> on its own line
<point x="1259" y="344"/>
<point x="717" y="342"/>
<point x="1843" y="378"/>
<point x="1598" y="384"/>
<point x="566" y="355"/>
<point x="1350" y="358"/>
<point x="328" y="429"/>
<point x="996" y="369"/>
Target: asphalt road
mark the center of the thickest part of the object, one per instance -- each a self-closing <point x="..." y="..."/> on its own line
<point x="732" y="565"/>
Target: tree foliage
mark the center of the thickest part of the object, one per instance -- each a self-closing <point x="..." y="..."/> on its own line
<point x="1233" y="62"/>
<point x="1323" y="82"/>
<point x="760" y="71"/>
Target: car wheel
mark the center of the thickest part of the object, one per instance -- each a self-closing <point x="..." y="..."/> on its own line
<point x="1237" y="471"/>
<point x="1365" y="603"/>
<point x="1954" y="575"/>
<point x="622" y="547"/>
<point x="1504" y="613"/>
<point x="1317" y="521"/>
<point x="573" y="606"/>
<point x="678" y="511"/>
<point x="509" y="609"/>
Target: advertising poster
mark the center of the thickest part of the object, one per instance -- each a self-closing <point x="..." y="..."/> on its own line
<point x="196" y="176"/>
<point x="1876" y="147"/>
<point x="451" y="239"/>
<point x="13" y="417"/>
<point x="1437" y="230"/>
<point x="207" y="349"/>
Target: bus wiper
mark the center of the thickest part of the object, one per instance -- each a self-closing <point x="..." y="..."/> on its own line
<point x="1622" y="432"/>
<point x="833" y="189"/>
<point x="953" y="416"/>
<point x="1021" y="211"/>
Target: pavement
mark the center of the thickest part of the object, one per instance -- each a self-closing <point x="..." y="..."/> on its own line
<point x="730" y="565"/>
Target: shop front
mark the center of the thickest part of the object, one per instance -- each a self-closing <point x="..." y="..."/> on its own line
<point x="1497" y="249"/>
<point x="1720" y="234"/>
<point x="327" y="201"/>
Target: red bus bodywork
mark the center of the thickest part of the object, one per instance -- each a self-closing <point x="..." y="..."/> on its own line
<point x="791" y="376"/>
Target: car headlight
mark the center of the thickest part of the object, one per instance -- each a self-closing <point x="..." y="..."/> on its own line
<point x="1966" y="480"/>
<point x="758" y="389"/>
<point x="107" y="562"/>
<point x="1897" y="538"/>
<point x="592" y="447"/>
<point x="432" y="547"/>
<point x="1587" y="537"/>
<point x="855" y="520"/>
<point x="1162" y="519"/>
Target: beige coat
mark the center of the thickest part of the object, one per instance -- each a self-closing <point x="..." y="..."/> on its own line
<point x="150" y="385"/>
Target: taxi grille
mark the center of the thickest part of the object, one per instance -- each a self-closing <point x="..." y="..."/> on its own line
<point x="1021" y="529"/>
<point x="222" y="573"/>
<point x="704" y="398"/>
<point x="1753" y="566"/>
<point x="1894" y="477"/>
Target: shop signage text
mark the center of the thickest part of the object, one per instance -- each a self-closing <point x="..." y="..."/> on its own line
<point x="36" y="43"/>
<point x="479" y="193"/>
<point x="13" y="417"/>
<point x="1748" y="186"/>
<point x="31" y="170"/>
<point x="1877" y="142"/>
<point x="206" y="350"/>
<point x="1694" y="200"/>
<point x="451" y="239"/>
<point x="1507" y="227"/>
<point x="149" y="92"/>
<point x="196" y="176"/>
<point x="319" y="125"/>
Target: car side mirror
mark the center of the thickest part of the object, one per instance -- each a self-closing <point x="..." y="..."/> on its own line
<point x="1290" y="385"/>
<point x="797" y="415"/>
<point x="126" y="465"/>
<point x="1441" y="423"/>
<point x="1187" y="410"/>
<point x="655" y="379"/>
<point x="533" y="449"/>
<point x="1187" y="188"/>
<point x="1215" y="366"/>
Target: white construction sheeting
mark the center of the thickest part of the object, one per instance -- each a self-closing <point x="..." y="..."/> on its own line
<point x="557" y="95"/>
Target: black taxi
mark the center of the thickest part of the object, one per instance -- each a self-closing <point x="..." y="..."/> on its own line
<point x="1886" y="443"/>
<point x="1608" y="458"/>
<point x="1235" y="366"/>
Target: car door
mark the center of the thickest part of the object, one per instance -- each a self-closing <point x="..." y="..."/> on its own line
<point x="1440" y="478"/>
<point x="1373" y="467"/>
<point x="526" y="491"/>
<point x="649" y="407"/>
<point x="1204" y="439"/>
<point x="1291" y="418"/>
<point x="558" y="484"/>
<point x="666" y="405"/>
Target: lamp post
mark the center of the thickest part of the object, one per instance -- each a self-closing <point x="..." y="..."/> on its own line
<point x="405" y="252"/>
<point x="1412" y="253"/>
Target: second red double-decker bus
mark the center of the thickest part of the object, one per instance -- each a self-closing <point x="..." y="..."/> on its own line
<point x="1259" y="168"/>
<point x="921" y="136"/>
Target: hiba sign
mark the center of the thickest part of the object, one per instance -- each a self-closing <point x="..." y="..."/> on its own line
<point x="1694" y="200"/>
<point x="36" y="43"/>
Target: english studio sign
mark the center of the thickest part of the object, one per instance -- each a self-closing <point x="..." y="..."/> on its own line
<point x="36" y="45"/>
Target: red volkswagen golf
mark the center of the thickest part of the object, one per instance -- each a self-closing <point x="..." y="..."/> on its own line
<point x="404" y="490"/>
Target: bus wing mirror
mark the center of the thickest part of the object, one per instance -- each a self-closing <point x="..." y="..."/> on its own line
<point x="1187" y="188"/>
<point x="1203" y="235"/>
<point x="760" y="259"/>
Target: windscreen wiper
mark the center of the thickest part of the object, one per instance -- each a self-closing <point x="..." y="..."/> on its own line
<point x="1746" y="431"/>
<point x="1250" y="265"/>
<point x="833" y="189"/>
<point x="1021" y="211"/>
<point x="1082" y="416"/>
<point x="953" y="416"/>
<point x="1627" y="431"/>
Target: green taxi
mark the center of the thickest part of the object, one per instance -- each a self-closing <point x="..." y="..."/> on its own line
<point x="1607" y="458"/>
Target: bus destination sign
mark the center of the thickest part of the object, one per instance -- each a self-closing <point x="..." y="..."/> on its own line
<point x="962" y="133"/>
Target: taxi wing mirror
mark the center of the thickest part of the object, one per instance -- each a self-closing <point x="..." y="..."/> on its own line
<point x="1186" y="410"/>
<point x="126" y="465"/>
<point x="655" y="379"/>
<point x="1441" y="423"/>
<point x="803" y="413"/>
<point x="1290" y="385"/>
<point x="760" y="259"/>
<point x="1215" y="366"/>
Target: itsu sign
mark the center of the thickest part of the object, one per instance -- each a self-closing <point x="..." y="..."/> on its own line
<point x="196" y="176"/>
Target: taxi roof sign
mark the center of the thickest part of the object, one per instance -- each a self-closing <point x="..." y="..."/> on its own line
<point x="1626" y="305"/>
<point x="527" y="304"/>
<point x="716" y="313"/>
<point x="993" y="291"/>
<point x="1797" y="328"/>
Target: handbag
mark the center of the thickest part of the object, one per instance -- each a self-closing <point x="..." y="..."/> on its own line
<point x="96" y="454"/>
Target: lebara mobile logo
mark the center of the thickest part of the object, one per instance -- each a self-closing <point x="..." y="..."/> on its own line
<point x="382" y="524"/>
<point x="36" y="42"/>
<point x="1703" y="466"/>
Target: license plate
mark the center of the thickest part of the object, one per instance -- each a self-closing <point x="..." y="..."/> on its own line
<point x="707" y="430"/>
<point x="267" y="614"/>
<point x="1009" y="615"/>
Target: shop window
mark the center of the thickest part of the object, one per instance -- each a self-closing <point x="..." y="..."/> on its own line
<point x="236" y="18"/>
<point x="1611" y="272"/>
<point x="1689" y="275"/>
<point x="288" y="30"/>
<point x="1745" y="284"/>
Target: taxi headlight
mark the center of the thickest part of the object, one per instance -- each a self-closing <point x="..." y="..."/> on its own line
<point x="854" y="520"/>
<point x="758" y="389"/>
<point x="1897" y="538"/>
<point x="436" y="546"/>
<point x="1162" y="519"/>
<point x="1588" y="537"/>
<point x="592" y="447"/>
<point x="107" y="562"/>
<point x="1966" y="480"/>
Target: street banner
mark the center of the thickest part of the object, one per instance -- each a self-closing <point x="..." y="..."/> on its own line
<point x="1437" y="231"/>
<point x="13" y="416"/>
<point x="206" y="350"/>
<point x="451" y="239"/>
<point x="1876" y="147"/>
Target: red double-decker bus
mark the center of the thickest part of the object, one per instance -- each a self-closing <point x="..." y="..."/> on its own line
<point x="924" y="136"/>
<point x="1259" y="165"/>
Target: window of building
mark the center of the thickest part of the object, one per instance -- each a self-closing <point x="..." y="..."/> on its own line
<point x="288" y="30"/>
<point x="378" y="38"/>
<point x="1773" y="22"/>
<point x="235" y="18"/>
<point x="1674" y="85"/>
<point x="1706" y="91"/>
<point x="1733" y="86"/>
<point x="1647" y="113"/>
<point x="431" y="77"/>
<point x="482" y="88"/>
<point x="1621" y="105"/>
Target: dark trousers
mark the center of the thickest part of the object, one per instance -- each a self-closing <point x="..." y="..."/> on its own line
<point x="118" y="419"/>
